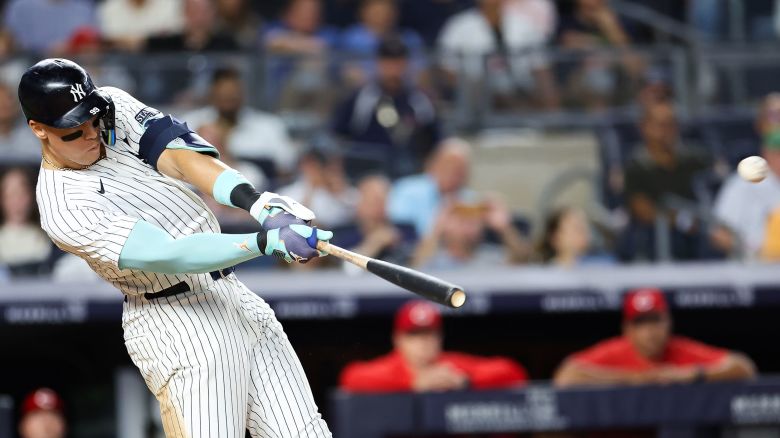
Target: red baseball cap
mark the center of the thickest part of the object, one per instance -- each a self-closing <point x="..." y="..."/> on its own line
<point x="42" y="399"/>
<point x="417" y="315"/>
<point x="641" y="302"/>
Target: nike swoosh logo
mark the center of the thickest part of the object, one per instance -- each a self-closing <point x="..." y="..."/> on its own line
<point x="101" y="190"/>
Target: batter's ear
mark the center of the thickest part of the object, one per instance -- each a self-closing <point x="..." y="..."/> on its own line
<point x="38" y="129"/>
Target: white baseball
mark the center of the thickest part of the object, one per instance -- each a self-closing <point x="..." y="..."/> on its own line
<point x="753" y="169"/>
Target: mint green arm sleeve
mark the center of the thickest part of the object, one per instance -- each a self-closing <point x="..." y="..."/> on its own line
<point x="152" y="249"/>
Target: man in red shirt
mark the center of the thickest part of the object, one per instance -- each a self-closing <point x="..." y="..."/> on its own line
<point x="418" y="363"/>
<point x="649" y="353"/>
<point x="42" y="415"/>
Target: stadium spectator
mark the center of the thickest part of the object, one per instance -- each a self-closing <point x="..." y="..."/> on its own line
<point x="42" y="415"/>
<point x="418" y="363"/>
<point x="486" y="43"/>
<point x="648" y="352"/>
<point x="389" y="118"/>
<point x="322" y="185"/>
<point x="299" y="31"/>
<point x="378" y="20"/>
<point x="238" y="18"/>
<point x="427" y="17"/>
<point x="566" y="240"/>
<point x="23" y="245"/>
<point x="200" y="33"/>
<point x="128" y="23"/>
<point x="16" y="141"/>
<point x="593" y="25"/>
<point x="417" y="199"/>
<point x="745" y="211"/>
<point x="457" y="239"/>
<point x="45" y="26"/>
<point x="6" y="43"/>
<point x="373" y="234"/>
<point x="660" y="183"/>
<point x="88" y="46"/>
<point x="248" y="133"/>
<point x="299" y="43"/>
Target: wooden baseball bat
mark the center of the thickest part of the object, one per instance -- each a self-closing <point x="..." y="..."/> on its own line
<point x="425" y="285"/>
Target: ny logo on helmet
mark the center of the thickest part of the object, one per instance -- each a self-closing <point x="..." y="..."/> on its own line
<point x="77" y="92"/>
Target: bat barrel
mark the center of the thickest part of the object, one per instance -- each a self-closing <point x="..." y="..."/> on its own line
<point x="425" y="285"/>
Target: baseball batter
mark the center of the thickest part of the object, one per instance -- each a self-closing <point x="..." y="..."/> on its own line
<point x="110" y="191"/>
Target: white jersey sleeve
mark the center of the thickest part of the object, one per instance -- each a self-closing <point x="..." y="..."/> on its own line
<point x="94" y="235"/>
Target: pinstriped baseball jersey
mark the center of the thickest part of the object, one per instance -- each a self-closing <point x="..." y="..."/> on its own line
<point x="215" y="356"/>
<point x="90" y="212"/>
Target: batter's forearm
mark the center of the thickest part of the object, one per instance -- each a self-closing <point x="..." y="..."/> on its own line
<point x="195" y="168"/>
<point x="149" y="248"/>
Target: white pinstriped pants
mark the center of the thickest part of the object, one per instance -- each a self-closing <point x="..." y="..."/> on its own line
<point x="219" y="363"/>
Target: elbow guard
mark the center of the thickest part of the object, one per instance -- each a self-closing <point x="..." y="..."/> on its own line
<point x="162" y="133"/>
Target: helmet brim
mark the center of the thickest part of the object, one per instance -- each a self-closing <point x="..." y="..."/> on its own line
<point x="91" y="106"/>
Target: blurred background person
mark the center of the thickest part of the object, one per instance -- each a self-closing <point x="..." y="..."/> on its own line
<point x="126" y="24"/>
<point x="24" y="247"/>
<point x="592" y="25"/>
<point x="247" y="133"/>
<point x="491" y="43"/>
<point x="457" y="240"/>
<point x="567" y="240"/>
<point x="43" y="415"/>
<point x="45" y="26"/>
<point x="378" y="20"/>
<point x="322" y="185"/>
<point x="238" y="18"/>
<point x="300" y="30"/>
<point x="418" y="362"/>
<point x="417" y="199"/>
<point x="298" y="42"/>
<point x="199" y="34"/>
<point x="16" y="141"/>
<point x="389" y="118"/>
<point x="232" y="220"/>
<point x="428" y="17"/>
<point x="744" y="210"/>
<point x="372" y="233"/>
<point x="648" y="352"/>
<point x="661" y="181"/>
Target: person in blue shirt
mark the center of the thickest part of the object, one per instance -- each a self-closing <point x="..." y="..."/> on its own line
<point x="297" y="44"/>
<point x="378" y="20"/>
<point x="46" y="26"/>
<point x="417" y="199"/>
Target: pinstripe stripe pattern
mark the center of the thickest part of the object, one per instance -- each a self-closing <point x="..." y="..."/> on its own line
<point x="216" y="357"/>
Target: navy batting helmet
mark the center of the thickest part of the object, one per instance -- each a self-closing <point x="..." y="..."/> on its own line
<point x="60" y="93"/>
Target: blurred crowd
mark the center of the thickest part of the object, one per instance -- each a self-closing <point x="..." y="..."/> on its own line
<point x="385" y="172"/>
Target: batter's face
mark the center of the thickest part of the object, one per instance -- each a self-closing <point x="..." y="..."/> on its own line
<point x="419" y="348"/>
<point x="72" y="147"/>
<point x="649" y="334"/>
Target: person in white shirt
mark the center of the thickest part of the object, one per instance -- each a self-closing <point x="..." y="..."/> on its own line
<point x="128" y="23"/>
<point x="21" y="239"/>
<point x="323" y="184"/>
<point x="742" y="208"/>
<point x="250" y="134"/>
<point x="502" y="30"/>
